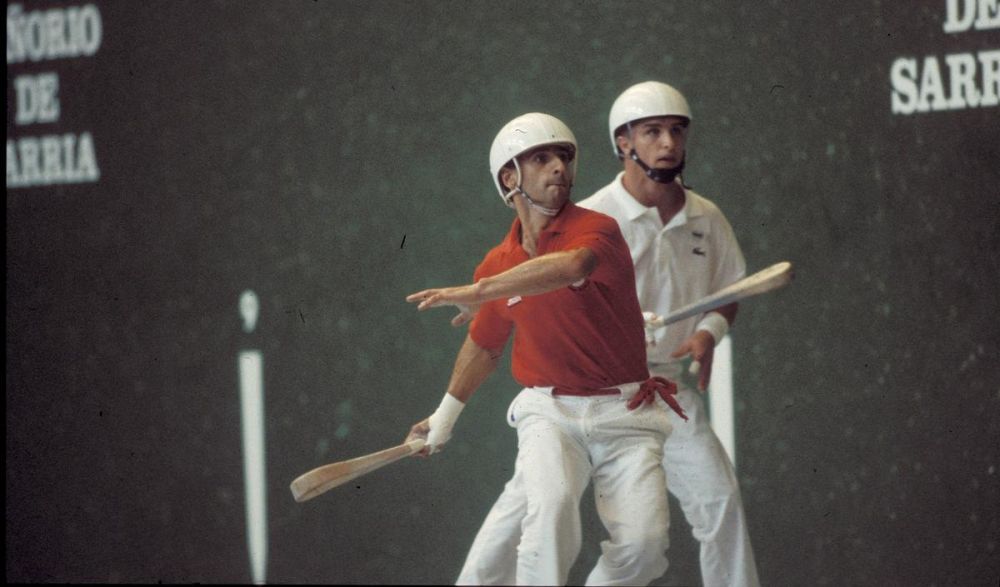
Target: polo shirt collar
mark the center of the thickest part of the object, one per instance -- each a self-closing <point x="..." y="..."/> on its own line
<point x="629" y="205"/>
<point x="693" y="206"/>
<point x="633" y="209"/>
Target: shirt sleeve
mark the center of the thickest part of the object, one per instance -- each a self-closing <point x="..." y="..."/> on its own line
<point x="732" y="266"/>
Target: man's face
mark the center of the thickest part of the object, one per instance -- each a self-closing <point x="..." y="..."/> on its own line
<point x="546" y="174"/>
<point x="660" y="141"/>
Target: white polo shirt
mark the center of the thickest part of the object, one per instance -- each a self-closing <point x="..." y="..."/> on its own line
<point x="694" y="255"/>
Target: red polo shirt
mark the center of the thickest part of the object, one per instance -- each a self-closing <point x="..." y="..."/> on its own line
<point x="587" y="337"/>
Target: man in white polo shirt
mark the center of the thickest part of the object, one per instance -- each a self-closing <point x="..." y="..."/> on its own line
<point x="683" y="249"/>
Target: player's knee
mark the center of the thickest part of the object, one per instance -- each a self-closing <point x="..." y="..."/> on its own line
<point x="710" y="517"/>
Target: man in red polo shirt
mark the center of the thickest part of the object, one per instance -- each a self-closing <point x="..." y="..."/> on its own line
<point x="562" y="283"/>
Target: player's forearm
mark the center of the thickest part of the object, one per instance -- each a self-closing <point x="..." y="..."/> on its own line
<point x="472" y="366"/>
<point x="717" y="322"/>
<point x="539" y="275"/>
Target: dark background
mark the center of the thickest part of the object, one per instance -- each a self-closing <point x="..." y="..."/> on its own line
<point x="289" y="147"/>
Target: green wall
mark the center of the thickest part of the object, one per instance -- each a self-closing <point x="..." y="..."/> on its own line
<point x="289" y="147"/>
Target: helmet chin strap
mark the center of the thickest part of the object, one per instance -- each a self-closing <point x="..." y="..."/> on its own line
<point x="657" y="175"/>
<point x="531" y="203"/>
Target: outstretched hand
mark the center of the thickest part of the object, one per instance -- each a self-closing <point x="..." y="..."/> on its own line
<point x="464" y="297"/>
<point x="701" y="347"/>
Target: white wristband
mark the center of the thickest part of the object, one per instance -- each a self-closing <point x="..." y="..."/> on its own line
<point x="715" y="324"/>
<point x="442" y="421"/>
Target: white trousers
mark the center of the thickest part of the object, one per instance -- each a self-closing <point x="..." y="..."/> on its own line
<point x="700" y="475"/>
<point x="564" y="442"/>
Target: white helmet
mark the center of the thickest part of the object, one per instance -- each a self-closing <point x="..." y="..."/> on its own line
<point x="644" y="101"/>
<point x="525" y="133"/>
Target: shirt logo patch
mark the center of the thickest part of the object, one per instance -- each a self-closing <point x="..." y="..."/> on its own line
<point x="513" y="301"/>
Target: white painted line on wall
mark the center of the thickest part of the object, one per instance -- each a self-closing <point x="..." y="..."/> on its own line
<point x="720" y="397"/>
<point x="254" y="461"/>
